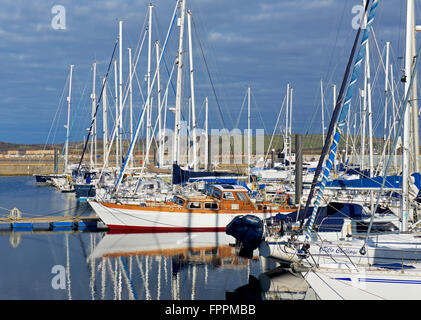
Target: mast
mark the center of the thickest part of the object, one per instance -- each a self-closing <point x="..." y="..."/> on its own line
<point x="339" y="116"/>
<point x="392" y="89"/>
<point x="414" y="94"/>
<point x="120" y="95"/>
<point x="105" y="124"/>
<point x="131" y="100"/>
<point x="286" y="124"/>
<point x="323" y="114"/>
<point x="158" y="87"/>
<point x="117" y="160"/>
<point x="290" y="122"/>
<point x="179" y="83"/>
<point x="406" y="123"/>
<point x="206" y="134"/>
<point x="66" y="157"/>
<point x="364" y="118"/>
<point x="370" y="115"/>
<point x="193" y="103"/>
<point x="94" y="136"/>
<point x="248" y="131"/>
<point x="148" y="76"/>
<point x="386" y="91"/>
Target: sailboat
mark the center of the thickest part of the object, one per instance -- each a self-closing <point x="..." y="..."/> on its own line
<point x="337" y="253"/>
<point x="62" y="181"/>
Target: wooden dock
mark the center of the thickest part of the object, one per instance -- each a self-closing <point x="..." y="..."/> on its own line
<point x="52" y="223"/>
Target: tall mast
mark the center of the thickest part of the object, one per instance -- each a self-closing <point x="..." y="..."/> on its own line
<point x="414" y="95"/>
<point x="206" y="134"/>
<point x="370" y="116"/>
<point x="179" y="83"/>
<point x="323" y="114"/>
<point x="286" y="124"/>
<point x="193" y="103"/>
<point x="117" y="160"/>
<point x="386" y="91"/>
<point x="248" y="131"/>
<point x="148" y="76"/>
<point x="364" y="118"/>
<point x="131" y="100"/>
<point x="158" y="87"/>
<point x="66" y="157"/>
<point x="120" y="95"/>
<point x="290" y="120"/>
<point x="105" y="124"/>
<point x="407" y="124"/>
<point x="94" y="135"/>
<point x="392" y="89"/>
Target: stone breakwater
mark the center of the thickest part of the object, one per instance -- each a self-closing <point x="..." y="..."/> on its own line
<point x="26" y="167"/>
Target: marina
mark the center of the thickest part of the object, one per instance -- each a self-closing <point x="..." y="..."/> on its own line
<point x="128" y="198"/>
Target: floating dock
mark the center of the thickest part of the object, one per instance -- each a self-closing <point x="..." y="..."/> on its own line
<point x="52" y="223"/>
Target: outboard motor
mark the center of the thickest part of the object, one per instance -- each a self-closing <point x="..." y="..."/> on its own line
<point x="248" y="230"/>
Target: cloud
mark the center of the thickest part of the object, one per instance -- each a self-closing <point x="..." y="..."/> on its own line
<point x="229" y="38"/>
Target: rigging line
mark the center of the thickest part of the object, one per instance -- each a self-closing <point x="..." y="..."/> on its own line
<point x="274" y="129"/>
<point x="258" y="110"/>
<point x="97" y="106"/>
<point x="335" y="115"/>
<point x="131" y="147"/>
<point x="221" y="118"/>
<point x="404" y="103"/>
<point x="241" y="111"/>
<point x="339" y="115"/>
<point x="381" y="60"/>
<point x="55" y="115"/>
<point x="158" y="24"/>
<point x="73" y="122"/>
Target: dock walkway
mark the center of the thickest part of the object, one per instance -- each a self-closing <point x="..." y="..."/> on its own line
<point x="52" y="223"/>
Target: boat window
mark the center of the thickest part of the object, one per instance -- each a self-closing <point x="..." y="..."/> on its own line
<point x="194" y="205"/>
<point x="208" y="192"/>
<point x="241" y="196"/>
<point x="178" y="200"/>
<point x="228" y="195"/>
<point x="211" y="205"/>
<point x="216" y="193"/>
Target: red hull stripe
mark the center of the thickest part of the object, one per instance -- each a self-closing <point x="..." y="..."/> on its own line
<point x="124" y="229"/>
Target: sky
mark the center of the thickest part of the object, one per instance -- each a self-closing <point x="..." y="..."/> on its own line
<point x="262" y="44"/>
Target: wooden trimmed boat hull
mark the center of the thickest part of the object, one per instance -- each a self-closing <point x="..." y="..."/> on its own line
<point x="130" y="217"/>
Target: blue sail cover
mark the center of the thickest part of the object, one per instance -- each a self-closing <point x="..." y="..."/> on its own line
<point x="392" y="182"/>
<point x="180" y="176"/>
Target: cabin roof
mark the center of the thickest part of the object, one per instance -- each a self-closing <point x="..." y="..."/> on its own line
<point x="229" y="187"/>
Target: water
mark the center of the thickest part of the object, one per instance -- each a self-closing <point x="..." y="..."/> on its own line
<point x="100" y="265"/>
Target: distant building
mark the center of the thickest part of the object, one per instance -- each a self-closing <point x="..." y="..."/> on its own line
<point x="15" y="153"/>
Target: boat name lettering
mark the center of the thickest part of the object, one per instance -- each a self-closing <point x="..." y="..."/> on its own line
<point x="329" y="250"/>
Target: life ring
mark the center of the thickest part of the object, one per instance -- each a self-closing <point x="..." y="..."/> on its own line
<point x="15" y="214"/>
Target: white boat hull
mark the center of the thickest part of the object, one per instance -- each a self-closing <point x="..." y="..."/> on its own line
<point x="365" y="284"/>
<point x="380" y="250"/>
<point x="152" y="220"/>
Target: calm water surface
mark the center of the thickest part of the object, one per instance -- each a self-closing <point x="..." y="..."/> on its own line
<point x="99" y="265"/>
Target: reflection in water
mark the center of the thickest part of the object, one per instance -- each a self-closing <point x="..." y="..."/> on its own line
<point x="166" y="265"/>
<point x="273" y="284"/>
<point x="201" y="266"/>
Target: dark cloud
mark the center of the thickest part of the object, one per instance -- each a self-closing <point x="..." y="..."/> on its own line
<point x="265" y="44"/>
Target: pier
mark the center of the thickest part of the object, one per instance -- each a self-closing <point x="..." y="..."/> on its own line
<point x="52" y="223"/>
